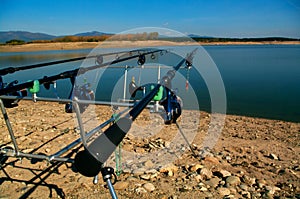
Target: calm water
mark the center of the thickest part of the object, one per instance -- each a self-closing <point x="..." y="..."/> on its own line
<point x="260" y="80"/>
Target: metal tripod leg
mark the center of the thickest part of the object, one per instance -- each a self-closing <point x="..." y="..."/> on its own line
<point x="185" y="139"/>
<point x="107" y="173"/>
<point x="9" y="127"/>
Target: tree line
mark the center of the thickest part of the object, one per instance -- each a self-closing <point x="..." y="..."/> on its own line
<point x="148" y="36"/>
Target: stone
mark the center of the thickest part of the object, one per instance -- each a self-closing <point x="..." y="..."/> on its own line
<point x="223" y="191"/>
<point x="148" y="164"/>
<point x="232" y="190"/>
<point x="244" y="187"/>
<point x="272" y="189"/>
<point x="198" y="178"/>
<point x="149" y="187"/>
<point x="206" y="173"/>
<point x="273" y="156"/>
<point x="169" y="169"/>
<point x="185" y="188"/>
<point x="151" y="171"/>
<point x="246" y="194"/>
<point x="121" y="185"/>
<point x="140" y="190"/>
<point x="214" y="182"/>
<point x="132" y="178"/>
<point x="232" y="181"/>
<point x="261" y="183"/>
<point x="138" y="172"/>
<point x="196" y="168"/>
<point x="248" y="180"/>
<point x="222" y="173"/>
<point x="212" y="160"/>
<point x="145" y="176"/>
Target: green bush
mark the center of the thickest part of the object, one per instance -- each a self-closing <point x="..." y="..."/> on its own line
<point x="15" y="42"/>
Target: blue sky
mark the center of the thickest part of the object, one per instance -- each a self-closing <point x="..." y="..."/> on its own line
<point x="219" y="18"/>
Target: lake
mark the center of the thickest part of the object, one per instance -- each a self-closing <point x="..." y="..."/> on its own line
<point x="260" y="80"/>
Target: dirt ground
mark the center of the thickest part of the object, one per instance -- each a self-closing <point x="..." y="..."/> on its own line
<point x="252" y="158"/>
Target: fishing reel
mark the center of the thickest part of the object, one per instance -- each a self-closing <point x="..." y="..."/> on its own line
<point x="167" y="100"/>
<point x="83" y="92"/>
<point x="172" y="105"/>
<point x="10" y="103"/>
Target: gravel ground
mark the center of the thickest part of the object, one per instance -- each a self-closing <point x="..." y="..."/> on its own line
<point x="252" y="158"/>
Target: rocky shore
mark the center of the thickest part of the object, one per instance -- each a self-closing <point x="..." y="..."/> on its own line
<point x="253" y="158"/>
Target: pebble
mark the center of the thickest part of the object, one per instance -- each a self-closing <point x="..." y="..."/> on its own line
<point x="261" y="183"/>
<point x="212" y="160"/>
<point x="196" y="168"/>
<point x="140" y="190"/>
<point x="138" y="172"/>
<point x="198" y="178"/>
<point x="233" y="181"/>
<point x="214" y="182"/>
<point x="246" y="194"/>
<point x="148" y="164"/>
<point x="273" y="156"/>
<point x="223" y="191"/>
<point x="47" y="150"/>
<point x="222" y="173"/>
<point x="170" y="169"/>
<point x="151" y="171"/>
<point x="206" y="173"/>
<point x="202" y="187"/>
<point x="248" y="180"/>
<point x="244" y="187"/>
<point x="185" y="188"/>
<point x="149" y="187"/>
<point x="145" y="177"/>
<point x="272" y="189"/>
<point x="120" y="185"/>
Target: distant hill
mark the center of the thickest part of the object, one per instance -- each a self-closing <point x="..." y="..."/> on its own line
<point x="29" y="36"/>
<point x="100" y="36"/>
<point x="23" y="35"/>
<point x="92" y="33"/>
<point x="198" y="36"/>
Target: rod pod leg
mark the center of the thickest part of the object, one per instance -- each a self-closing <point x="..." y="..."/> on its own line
<point x="107" y="173"/>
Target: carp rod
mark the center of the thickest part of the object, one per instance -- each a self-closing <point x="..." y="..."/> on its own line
<point x="99" y="59"/>
<point x="89" y="162"/>
<point x="72" y="73"/>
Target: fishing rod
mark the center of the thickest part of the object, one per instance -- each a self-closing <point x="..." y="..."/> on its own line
<point x="71" y="73"/>
<point x="89" y="162"/>
<point x="99" y="60"/>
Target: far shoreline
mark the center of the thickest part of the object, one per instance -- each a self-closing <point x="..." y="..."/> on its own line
<point x="31" y="47"/>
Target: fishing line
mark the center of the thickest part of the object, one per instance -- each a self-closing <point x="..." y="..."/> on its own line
<point x="68" y="74"/>
<point x="11" y="70"/>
